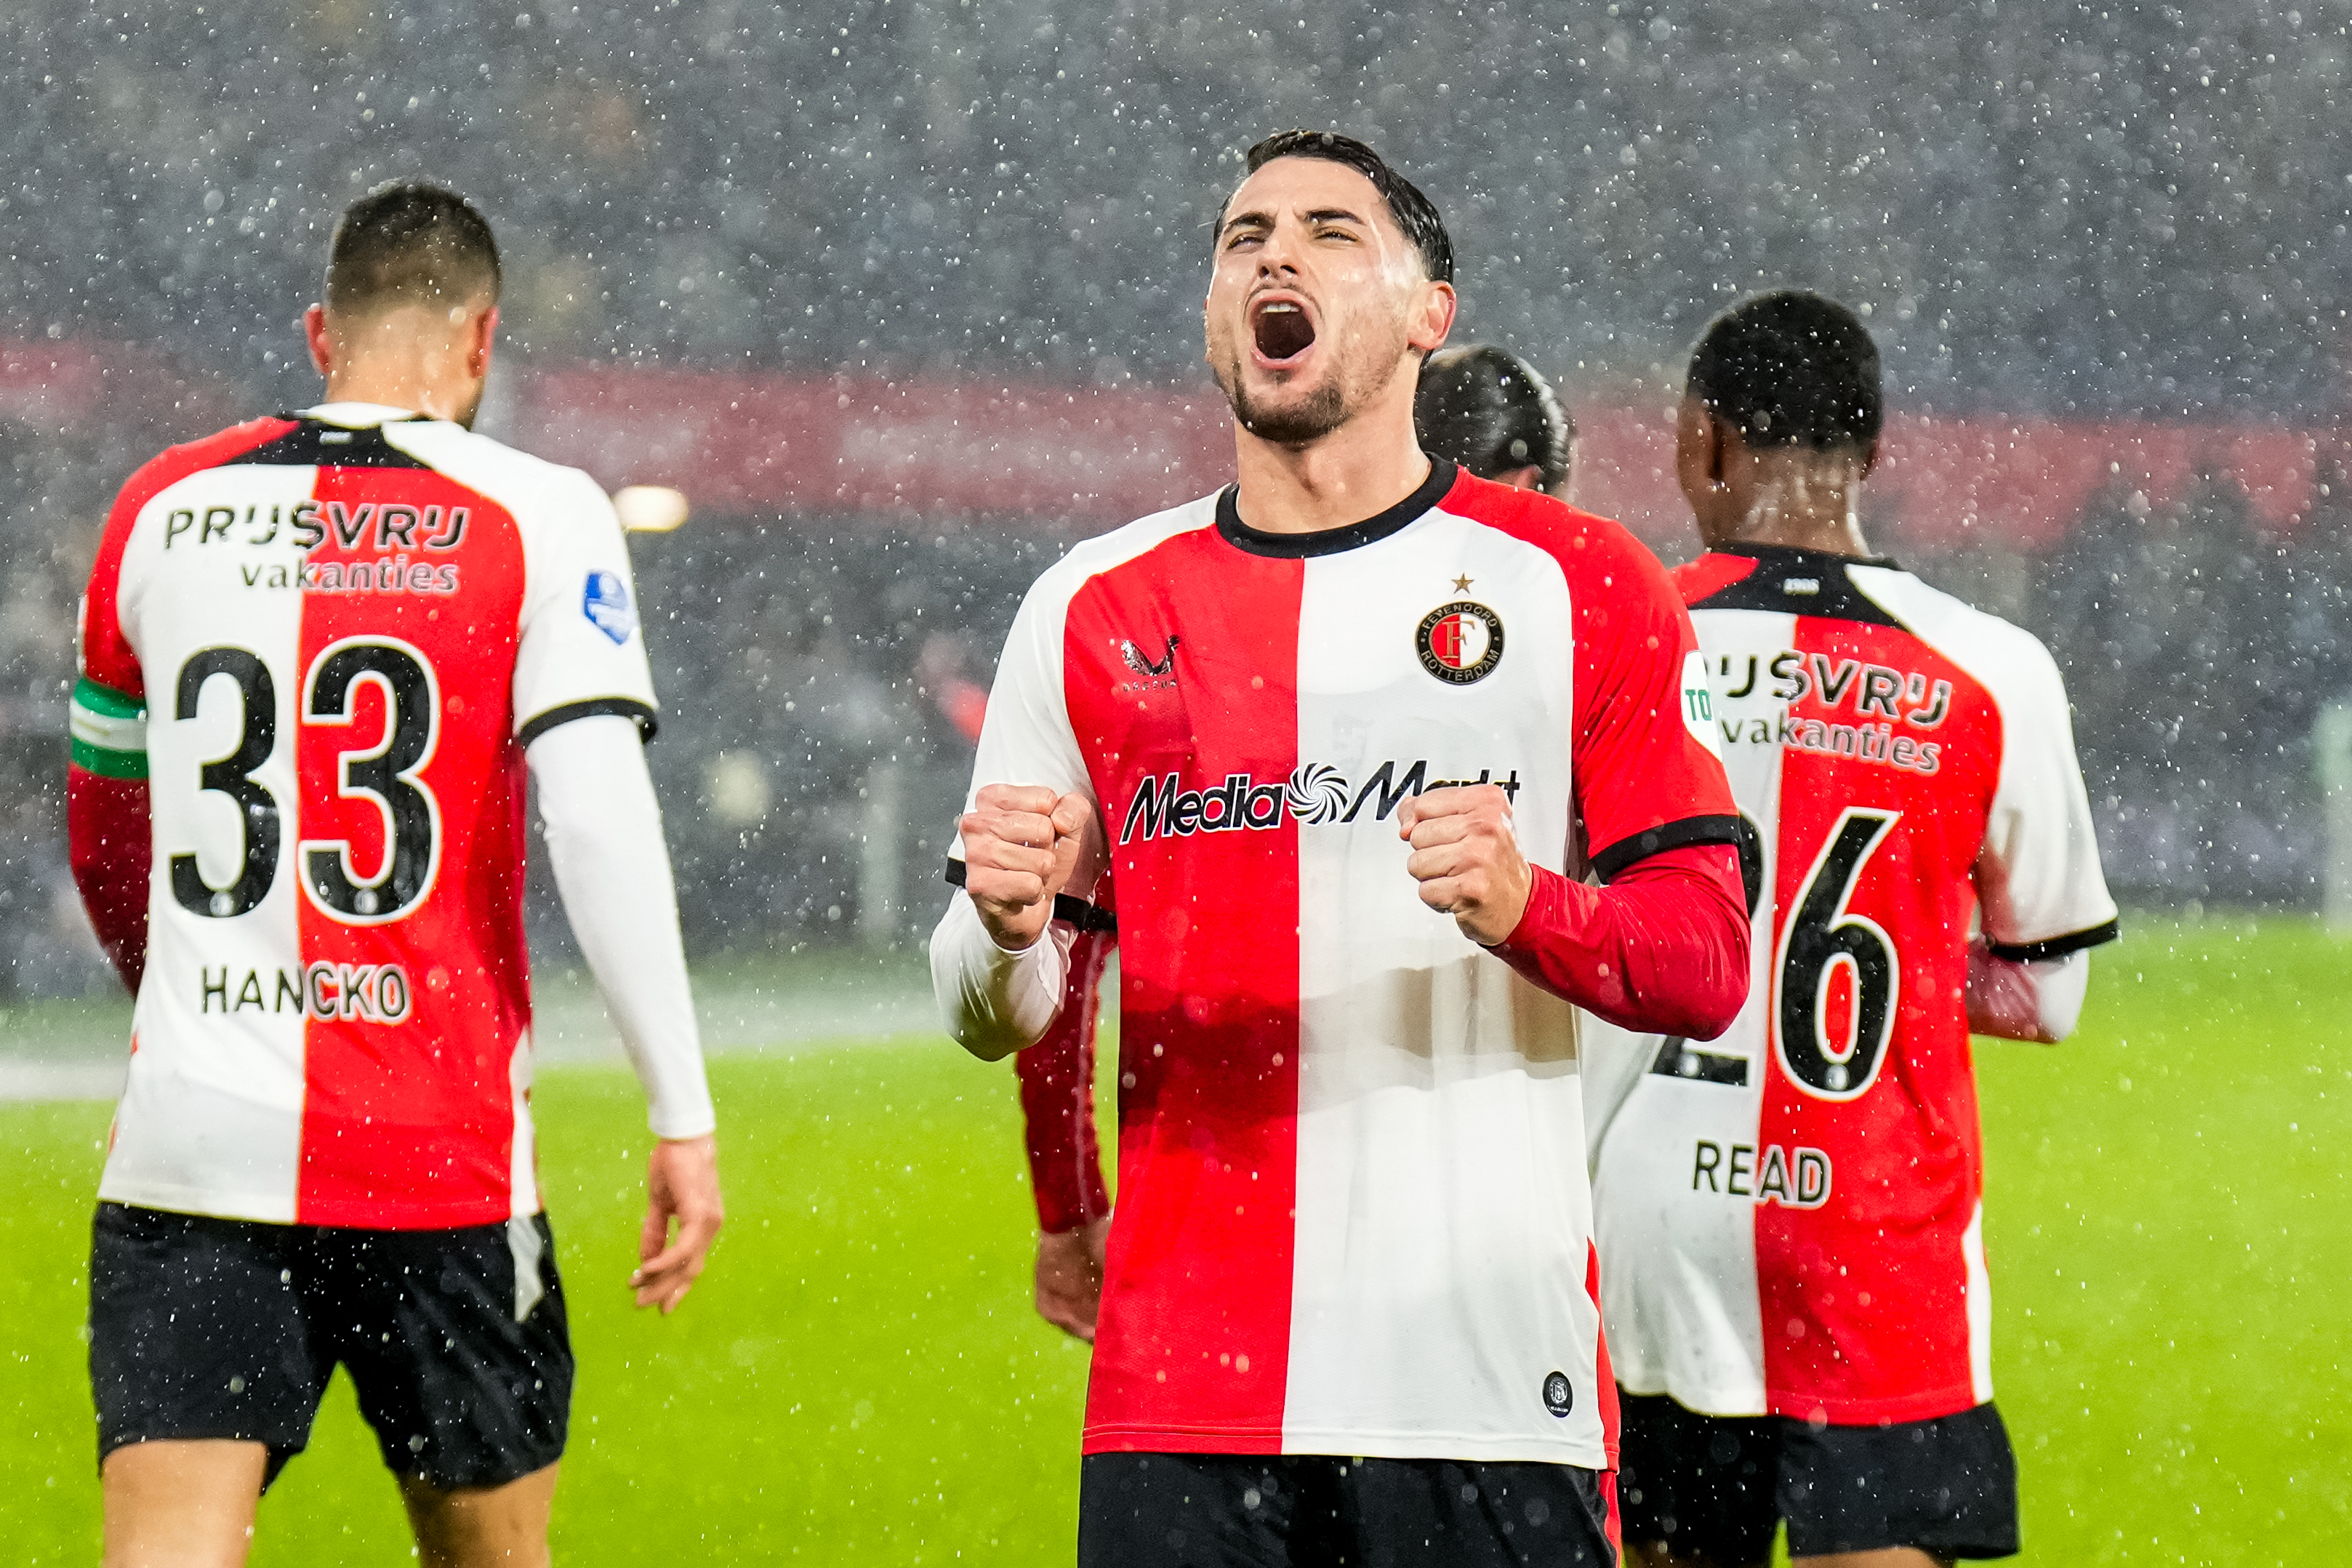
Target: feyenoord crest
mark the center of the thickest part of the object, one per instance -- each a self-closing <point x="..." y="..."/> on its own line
<point x="1460" y="643"/>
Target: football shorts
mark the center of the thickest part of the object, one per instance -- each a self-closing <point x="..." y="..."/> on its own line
<point x="1716" y="1487"/>
<point x="456" y="1340"/>
<point x="1307" y="1511"/>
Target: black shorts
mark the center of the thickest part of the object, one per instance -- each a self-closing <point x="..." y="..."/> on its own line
<point x="1304" y="1510"/>
<point x="1717" y="1486"/>
<point x="228" y="1328"/>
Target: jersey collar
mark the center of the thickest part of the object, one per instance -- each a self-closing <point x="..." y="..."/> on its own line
<point x="360" y="415"/>
<point x="1331" y="541"/>
<point x="1791" y="556"/>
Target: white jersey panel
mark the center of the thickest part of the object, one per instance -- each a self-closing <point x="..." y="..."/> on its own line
<point x="1026" y="737"/>
<point x="579" y="637"/>
<point x="1442" y="1218"/>
<point x="1678" y="1252"/>
<point x="2039" y="877"/>
<point x="211" y="1115"/>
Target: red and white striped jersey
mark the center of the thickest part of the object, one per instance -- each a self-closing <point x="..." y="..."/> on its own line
<point x="325" y="640"/>
<point x="1792" y="1214"/>
<point x="1353" y="1215"/>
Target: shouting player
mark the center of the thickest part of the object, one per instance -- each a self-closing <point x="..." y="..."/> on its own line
<point x="318" y="652"/>
<point x="1492" y="413"/>
<point x="1331" y="741"/>
<point x="1791" y="1216"/>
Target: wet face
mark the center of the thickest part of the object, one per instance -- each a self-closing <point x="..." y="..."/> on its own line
<point x="1319" y="301"/>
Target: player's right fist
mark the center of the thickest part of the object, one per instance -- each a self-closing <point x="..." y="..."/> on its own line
<point x="1021" y="842"/>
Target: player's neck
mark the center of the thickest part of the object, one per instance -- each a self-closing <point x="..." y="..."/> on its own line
<point x="1357" y="471"/>
<point x="409" y="358"/>
<point x="1803" y="503"/>
<point x="422" y="384"/>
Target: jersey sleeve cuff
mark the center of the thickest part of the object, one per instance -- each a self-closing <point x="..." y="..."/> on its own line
<point x="108" y="730"/>
<point x="1076" y="912"/>
<point x="648" y="725"/>
<point x="2056" y="946"/>
<point x="1674" y="835"/>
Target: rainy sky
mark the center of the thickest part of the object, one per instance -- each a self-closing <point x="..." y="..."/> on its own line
<point x="2045" y="207"/>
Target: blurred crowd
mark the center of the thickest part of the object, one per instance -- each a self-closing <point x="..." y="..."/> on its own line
<point x="2044" y="207"/>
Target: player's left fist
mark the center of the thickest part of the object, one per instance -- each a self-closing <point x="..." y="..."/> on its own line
<point x="1467" y="859"/>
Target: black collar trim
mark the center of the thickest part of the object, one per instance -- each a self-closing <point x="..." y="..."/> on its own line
<point x="1332" y="541"/>
<point x="316" y="444"/>
<point x="1791" y="581"/>
<point x="1793" y="555"/>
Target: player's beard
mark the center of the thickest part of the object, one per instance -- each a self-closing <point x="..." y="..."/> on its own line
<point x="1350" y="383"/>
<point x="1313" y="417"/>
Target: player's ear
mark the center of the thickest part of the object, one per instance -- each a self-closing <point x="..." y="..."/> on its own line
<point x="1870" y="458"/>
<point x="477" y="350"/>
<point x="322" y="343"/>
<point x="1435" y="317"/>
<point x="1699" y="451"/>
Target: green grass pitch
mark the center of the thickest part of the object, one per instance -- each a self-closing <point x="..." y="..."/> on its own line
<point x="859" y="1379"/>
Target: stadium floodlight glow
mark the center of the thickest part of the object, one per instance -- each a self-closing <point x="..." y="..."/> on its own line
<point x="650" y="508"/>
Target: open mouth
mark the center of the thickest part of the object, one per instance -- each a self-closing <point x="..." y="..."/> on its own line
<point x="1282" y="329"/>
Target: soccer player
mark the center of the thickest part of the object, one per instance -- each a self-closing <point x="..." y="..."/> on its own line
<point x="318" y="652"/>
<point x="1492" y="413"/>
<point x="1329" y="741"/>
<point x="1495" y="415"/>
<point x="1791" y="1216"/>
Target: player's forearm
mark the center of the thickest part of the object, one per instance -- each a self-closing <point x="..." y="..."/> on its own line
<point x="112" y="848"/>
<point x="994" y="1002"/>
<point x="1056" y="1078"/>
<point x="612" y="870"/>
<point x="2040" y="1000"/>
<point x="1661" y="949"/>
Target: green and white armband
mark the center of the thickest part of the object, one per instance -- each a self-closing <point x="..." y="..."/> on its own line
<point x="110" y="732"/>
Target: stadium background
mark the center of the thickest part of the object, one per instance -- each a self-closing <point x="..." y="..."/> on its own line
<point x="903" y="296"/>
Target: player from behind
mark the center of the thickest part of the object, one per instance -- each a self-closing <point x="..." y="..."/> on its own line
<point x="318" y="653"/>
<point x="1490" y="411"/>
<point x="1495" y="415"/>
<point x="1791" y="1216"/>
<point x="1350" y="1305"/>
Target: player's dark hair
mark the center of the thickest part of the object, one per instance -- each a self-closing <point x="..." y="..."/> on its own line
<point x="1790" y="368"/>
<point x="1488" y="410"/>
<point x="406" y="242"/>
<point x="1413" y="211"/>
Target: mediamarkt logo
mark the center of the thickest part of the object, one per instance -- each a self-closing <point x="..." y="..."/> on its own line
<point x="1315" y="793"/>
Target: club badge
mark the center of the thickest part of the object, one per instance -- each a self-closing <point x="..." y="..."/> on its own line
<point x="1460" y="643"/>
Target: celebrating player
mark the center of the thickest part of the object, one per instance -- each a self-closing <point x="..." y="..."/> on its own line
<point x="1490" y="411"/>
<point x="319" y="650"/>
<point x="1791" y="1216"/>
<point x="1350" y="1304"/>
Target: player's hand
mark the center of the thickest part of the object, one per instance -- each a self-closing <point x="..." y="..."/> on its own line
<point x="682" y="1183"/>
<point x="1070" y="1278"/>
<point x="1020" y="841"/>
<point x="1467" y="859"/>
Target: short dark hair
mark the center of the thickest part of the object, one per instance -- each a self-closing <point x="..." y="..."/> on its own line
<point x="1413" y="211"/>
<point x="1491" y="412"/>
<point x="407" y="242"/>
<point x="1790" y="368"/>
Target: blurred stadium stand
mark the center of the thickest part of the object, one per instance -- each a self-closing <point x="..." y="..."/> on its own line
<point x="903" y="293"/>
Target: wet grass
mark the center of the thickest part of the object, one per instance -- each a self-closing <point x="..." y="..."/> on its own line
<point x="860" y="1379"/>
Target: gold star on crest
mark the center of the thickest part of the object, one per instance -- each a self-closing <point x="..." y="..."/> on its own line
<point x="1461" y="585"/>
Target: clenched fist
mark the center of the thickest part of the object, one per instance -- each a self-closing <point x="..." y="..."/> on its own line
<point x="1467" y="859"/>
<point x="1021" y="842"/>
